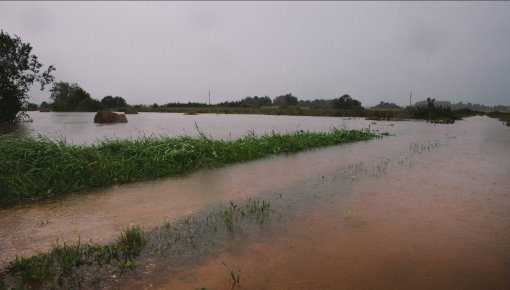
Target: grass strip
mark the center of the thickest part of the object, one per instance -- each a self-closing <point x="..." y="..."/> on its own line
<point x="34" y="169"/>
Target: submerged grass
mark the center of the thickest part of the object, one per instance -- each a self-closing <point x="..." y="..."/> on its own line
<point x="91" y="265"/>
<point x="35" y="169"/>
<point x="63" y="266"/>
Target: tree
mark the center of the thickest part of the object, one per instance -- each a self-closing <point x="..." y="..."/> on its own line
<point x="346" y="102"/>
<point x="285" y="100"/>
<point x="384" y="105"/>
<point x="430" y="103"/>
<point x="67" y="96"/>
<point x="113" y="102"/>
<point x="19" y="69"/>
<point x="88" y="105"/>
<point x="44" y="105"/>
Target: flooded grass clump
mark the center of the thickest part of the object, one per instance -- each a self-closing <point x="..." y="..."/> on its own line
<point x="67" y="265"/>
<point x="38" y="169"/>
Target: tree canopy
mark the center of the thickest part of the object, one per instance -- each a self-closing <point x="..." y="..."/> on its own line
<point x="384" y="105"/>
<point x="113" y="102"/>
<point x="19" y="69"/>
<point x="69" y="97"/>
<point x="346" y="102"/>
<point x="285" y="100"/>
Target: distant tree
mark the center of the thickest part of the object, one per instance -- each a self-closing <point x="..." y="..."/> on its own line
<point x="45" y="105"/>
<point x="430" y="103"/>
<point x="88" y="105"/>
<point x="285" y="100"/>
<point x="384" y="105"/>
<point x="155" y="105"/>
<point x="19" y="69"/>
<point x="67" y="96"/>
<point x="346" y="102"/>
<point x="32" y="106"/>
<point x="113" y="102"/>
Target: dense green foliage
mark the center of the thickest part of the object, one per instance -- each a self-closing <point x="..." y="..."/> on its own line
<point x="67" y="97"/>
<point x="19" y="69"/>
<point x="388" y="106"/>
<point x="113" y="102"/>
<point x="432" y="112"/>
<point x="285" y="100"/>
<point x="42" y="169"/>
<point x="346" y="102"/>
<point x="249" y="102"/>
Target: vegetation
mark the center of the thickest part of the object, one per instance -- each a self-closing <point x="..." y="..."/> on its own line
<point x="502" y="116"/>
<point x="61" y="266"/>
<point x="285" y="100"/>
<point x="19" y="69"/>
<point x="387" y="106"/>
<point x="433" y="112"/>
<point x="346" y="102"/>
<point x="87" y="265"/>
<point x="110" y="102"/>
<point x="69" y="97"/>
<point x="249" y="102"/>
<point x="34" y="169"/>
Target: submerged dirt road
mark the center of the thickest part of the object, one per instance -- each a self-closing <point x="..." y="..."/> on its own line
<point x="436" y="218"/>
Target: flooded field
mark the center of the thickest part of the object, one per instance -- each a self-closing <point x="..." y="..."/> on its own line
<point x="426" y="208"/>
<point x="79" y="128"/>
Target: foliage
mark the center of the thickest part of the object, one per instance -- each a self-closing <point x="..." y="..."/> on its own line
<point x="61" y="266"/>
<point x="180" y="105"/>
<point x="384" y="105"/>
<point x="317" y="103"/>
<point x="45" y="105"/>
<point x="42" y="169"/>
<point x="88" y="105"/>
<point x="285" y="100"/>
<point x="432" y="112"/>
<point x="249" y="102"/>
<point x="19" y="69"/>
<point x="113" y="102"/>
<point x="70" y="97"/>
<point x="131" y="242"/>
<point x="502" y="116"/>
<point x="346" y="102"/>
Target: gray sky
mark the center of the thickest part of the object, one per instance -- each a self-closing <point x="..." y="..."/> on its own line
<point x="175" y="52"/>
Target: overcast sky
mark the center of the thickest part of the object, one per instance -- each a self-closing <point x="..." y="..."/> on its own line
<point x="175" y="52"/>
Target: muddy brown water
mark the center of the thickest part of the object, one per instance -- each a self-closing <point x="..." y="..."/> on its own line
<point x="428" y="208"/>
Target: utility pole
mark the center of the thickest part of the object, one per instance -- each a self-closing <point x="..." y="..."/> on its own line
<point x="209" y="97"/>
<point x="410" y="99"/>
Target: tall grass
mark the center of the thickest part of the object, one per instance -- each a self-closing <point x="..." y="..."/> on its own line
<point x="33" y="169"/>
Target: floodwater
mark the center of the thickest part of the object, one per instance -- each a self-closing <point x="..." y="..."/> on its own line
<point x="427" y="208"/>
<point x="79" y="128"/>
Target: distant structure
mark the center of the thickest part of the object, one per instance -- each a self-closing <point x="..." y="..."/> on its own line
<point x="209" y="97"/>
<point x="410" y="99"/>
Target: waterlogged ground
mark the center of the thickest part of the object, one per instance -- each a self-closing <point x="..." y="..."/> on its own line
<point x="428" y="208"/>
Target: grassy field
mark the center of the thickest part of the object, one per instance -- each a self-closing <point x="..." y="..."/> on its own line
<point x="40" y="169"/>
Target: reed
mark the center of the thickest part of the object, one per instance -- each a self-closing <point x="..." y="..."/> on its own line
<point x="40" y="169"/>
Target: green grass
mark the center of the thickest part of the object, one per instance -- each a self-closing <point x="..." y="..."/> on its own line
<point x="61" y="266"/>
<point x="40" y="169"/>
